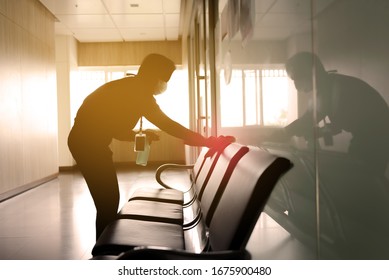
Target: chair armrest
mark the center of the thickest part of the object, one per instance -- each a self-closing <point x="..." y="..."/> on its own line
<point x="156" y="253"/>
<point x="164" y="167"/>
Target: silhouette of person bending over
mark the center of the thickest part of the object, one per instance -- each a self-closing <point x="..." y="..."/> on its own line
<point x="346" y="103"/>
<point x="111" y="112"/>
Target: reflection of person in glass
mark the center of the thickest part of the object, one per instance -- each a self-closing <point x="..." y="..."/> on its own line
<point x="343" y="103"/>
<point x="112" y="111"/>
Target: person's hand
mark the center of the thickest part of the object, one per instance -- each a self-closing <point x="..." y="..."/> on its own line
<point x="222" y="140"/>
<point x="218" y="144"/>
<point x="151" y="135"/>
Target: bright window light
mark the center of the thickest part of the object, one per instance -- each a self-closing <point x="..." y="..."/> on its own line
<point x="251" y="97"/>
<point x="82" y="84"/>
<point x="275" y="97"/>
<point x="231" y="100"/>
<point x="260" y="96"/>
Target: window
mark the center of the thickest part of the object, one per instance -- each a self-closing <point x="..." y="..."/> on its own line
<point x="231" y="99"/>
<point x="82" y="84"/>
<point x="262" y="97"/>
<point x="89" y="79"/>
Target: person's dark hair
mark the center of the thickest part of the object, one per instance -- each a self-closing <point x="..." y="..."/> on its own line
<point x="156" y="66"/>
<point x="302" y="63"/>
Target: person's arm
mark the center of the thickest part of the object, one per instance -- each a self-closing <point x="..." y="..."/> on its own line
<point x="177" y="130"/>
<point x="301" y="126"/>
<point x="163" y="122"/>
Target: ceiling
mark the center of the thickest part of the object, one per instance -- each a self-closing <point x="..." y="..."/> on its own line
<point x="117" y="20"/>
<point x="156" y="20"/>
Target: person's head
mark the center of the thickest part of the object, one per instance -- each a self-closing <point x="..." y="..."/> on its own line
<point x="300" y="69"/>
<point x="155" y="71"/>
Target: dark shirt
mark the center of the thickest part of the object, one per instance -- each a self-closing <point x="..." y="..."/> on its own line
<point x="113" y="109"/>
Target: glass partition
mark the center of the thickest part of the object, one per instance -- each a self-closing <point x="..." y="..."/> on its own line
<point x="353" y="129"/>
<point x="307" y="79"/>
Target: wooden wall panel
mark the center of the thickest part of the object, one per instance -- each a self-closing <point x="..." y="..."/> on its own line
<point x="28" y="122"/>
<point x="126" y="53"/>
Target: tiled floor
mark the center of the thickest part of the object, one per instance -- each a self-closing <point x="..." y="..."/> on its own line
<point x="56" y="221"/>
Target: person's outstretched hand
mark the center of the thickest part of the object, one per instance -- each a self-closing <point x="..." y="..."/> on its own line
<point x="217" y="145"/>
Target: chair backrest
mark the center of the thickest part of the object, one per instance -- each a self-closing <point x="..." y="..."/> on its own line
<point x="198" y="166"/>
<point x="207" y="184"/>
<point x="207" y="178"/>
<point x="226" y="162"/>
<point x="217" y="164"/>
<point x="242" y="197"/>
<point x="199" y="171"/>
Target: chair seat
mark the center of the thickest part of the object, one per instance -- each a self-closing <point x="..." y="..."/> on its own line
<point x="158" y="194"/>
<point x="152" y="211"/>
<point x="125" y="234"/>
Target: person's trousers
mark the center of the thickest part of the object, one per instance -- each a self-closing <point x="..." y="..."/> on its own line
<point x="96" y="165"/>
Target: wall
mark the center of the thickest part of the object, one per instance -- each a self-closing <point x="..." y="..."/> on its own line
<point x="125" y="53"/>
<point x="257" y="52"/>
<point x="28" y="102"/>
<point x="66" y="65"/>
